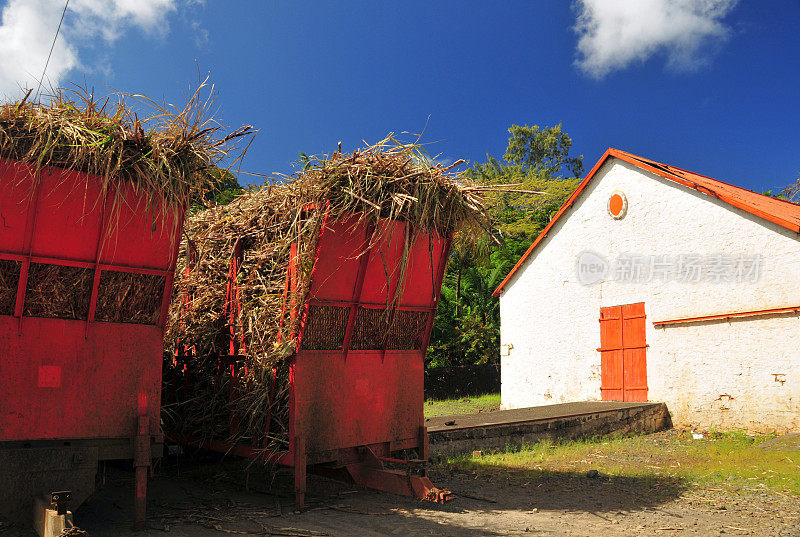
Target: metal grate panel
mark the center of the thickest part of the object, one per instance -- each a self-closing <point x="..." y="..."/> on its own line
<point x="58" y="291"/>
<point x="127" y="297"/>
<point x="370" y="329"/>
<point x="408" y="330"/>
<point x="9" y="280"/>
<point x="325" y="327"/>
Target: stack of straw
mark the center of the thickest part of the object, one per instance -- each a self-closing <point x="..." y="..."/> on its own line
<point x="389" y="180"/>
<point x="9" y="278"/>
<point x="166" y="154"/>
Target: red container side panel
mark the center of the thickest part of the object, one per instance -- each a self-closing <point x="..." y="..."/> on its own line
<point x="65" y="216"/>
<point x="359" y="400"/>
<point x="63" y="378"/>
<point x="15" y="195"/>
<point x="340" y="260"/>
<point x="421" y="285"/>
<point x="383" y="269"/>
<point x="140" y="235"/>
<point x="340" y="257"/>
<point x="68" y="219"/>
<point x="353" y="385"/>
<point x="60" y="384"/>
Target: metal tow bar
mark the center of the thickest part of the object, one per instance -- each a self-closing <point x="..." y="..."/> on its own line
<point x="405" y="477"/>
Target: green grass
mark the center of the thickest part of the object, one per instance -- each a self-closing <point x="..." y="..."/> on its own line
<point x="465" y="405"/>
<point x="732" y="460"/>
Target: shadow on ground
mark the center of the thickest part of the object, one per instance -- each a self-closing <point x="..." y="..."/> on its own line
<point x="212" y="497"/>
<point x="561" y="491"/>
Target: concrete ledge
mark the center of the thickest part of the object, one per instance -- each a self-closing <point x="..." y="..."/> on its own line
<point x="496" y="431"/>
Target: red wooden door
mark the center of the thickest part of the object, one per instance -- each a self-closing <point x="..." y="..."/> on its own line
<point x="623" y="353"/>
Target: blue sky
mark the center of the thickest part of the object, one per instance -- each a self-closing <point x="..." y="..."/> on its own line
<point x="712" y="87"/>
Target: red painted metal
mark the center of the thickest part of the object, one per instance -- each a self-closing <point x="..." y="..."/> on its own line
<point x="371" y="472"/>
<point x="358" y="287"/>
<point x="233" y="302"/>
<point x="299" y="463"/>
<point x="781" y="212"/>
<point x="345" y="402"/>
<point x="623" y="353"/>
<point x="142" y="462"/>
<point x="81" y="379"/>
<point x="725" y="316"/>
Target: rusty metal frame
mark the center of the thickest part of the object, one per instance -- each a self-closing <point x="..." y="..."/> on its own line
<point x="726" y="316"/>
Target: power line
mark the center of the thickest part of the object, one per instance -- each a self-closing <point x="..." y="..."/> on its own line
<point x="41" y="79"/>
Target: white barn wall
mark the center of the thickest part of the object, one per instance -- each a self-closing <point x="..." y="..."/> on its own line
<point x="712" y="374"/>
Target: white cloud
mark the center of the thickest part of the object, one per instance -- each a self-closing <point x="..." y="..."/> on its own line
<point x="24" y="47"/>
<point x="192" y="15"/>
<point x="109" y="18"/>
<point x="27" y="28"/>
<point x="615" y="33"/>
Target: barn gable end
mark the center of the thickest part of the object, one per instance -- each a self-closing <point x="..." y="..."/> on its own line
<point x="736" y="373"/>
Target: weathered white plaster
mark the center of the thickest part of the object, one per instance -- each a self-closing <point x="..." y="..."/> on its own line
<point x="713" y="374"/>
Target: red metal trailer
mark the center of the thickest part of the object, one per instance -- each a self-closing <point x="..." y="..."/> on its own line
<point x="80" y="377"/>
<point x="356" y="393"/>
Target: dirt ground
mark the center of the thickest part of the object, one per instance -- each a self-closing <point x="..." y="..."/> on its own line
<point x="211" y="499"/>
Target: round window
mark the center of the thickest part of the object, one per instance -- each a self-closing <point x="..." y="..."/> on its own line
<point x="617" y="205"/>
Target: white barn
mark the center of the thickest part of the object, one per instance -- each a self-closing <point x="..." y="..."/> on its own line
<point x="653" y="283"/>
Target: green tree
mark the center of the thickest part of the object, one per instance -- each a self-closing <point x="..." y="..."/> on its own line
<point x="225" y="188"/>
<point x="545" y="151"/>
<point x="536" y="160"/>
<point x="517" y="213"/>
<point x="467" y="326"/>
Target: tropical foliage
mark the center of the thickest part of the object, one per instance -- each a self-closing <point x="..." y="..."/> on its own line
<point x="467" y="327"/>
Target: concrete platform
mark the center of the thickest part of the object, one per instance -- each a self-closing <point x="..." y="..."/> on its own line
<point x="493" y="431"/>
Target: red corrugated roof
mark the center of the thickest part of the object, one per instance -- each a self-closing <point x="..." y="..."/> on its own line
<point x="781" y="212"/>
